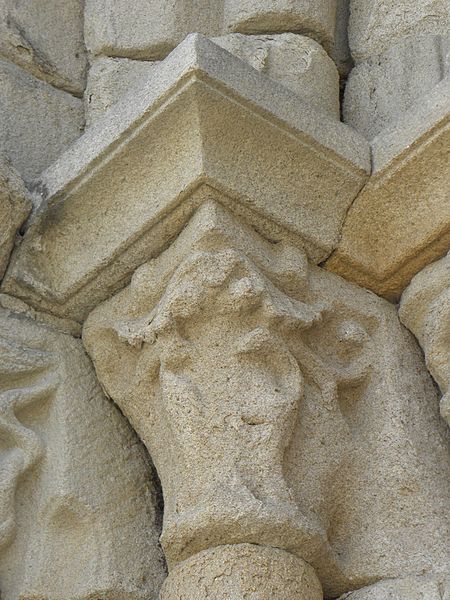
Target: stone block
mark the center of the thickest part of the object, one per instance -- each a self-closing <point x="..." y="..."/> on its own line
<point x="296" y="61"/>
<point x="400" y="221"/>
<point x="38" y="122"/>
<point x="408" y="588"/>
<point x="109" y="79"/>
<point x="150" y="29"/>
<point x="425" y="310"/>
<point x="315" y="18"/>
<point x="78" y="506"/>
<point x="15" y="206"/>
<point x="45" y="37"/>
<point x="380" y="89"/>
<point x="375" y="25"/>
<point x="206" y="125"/>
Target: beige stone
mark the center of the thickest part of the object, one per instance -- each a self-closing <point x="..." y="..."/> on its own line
<point x="296" y="411"/>
<point x="111" y="78"/>
<point x="18" y="306"/>
<point x="408" y="588"/>
<point x="37" y="121"/>
<point x="375" y="25"/>
<point x="340" y="52"/>
<point x="288" y="437"/>
<point x="296" y="61"/>
<point x="78" y="516"/>
<point x="242" y="571"/>
<point x="425" y="310"/>
<point x="206" y="125"/>
<point x="149" y="29"/>
<point x="315" y="18"/>
<point x="400" y="221"/>
<point x="15" y="206"/>
<point x="45" y="37"/>
<point x="202" y="419"/>
<point x="380" y="90"/>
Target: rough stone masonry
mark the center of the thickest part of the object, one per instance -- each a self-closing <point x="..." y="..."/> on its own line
<point x="224" y="299"/>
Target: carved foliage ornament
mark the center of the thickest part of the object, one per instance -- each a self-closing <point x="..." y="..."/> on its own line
<point x="205" y="351"/>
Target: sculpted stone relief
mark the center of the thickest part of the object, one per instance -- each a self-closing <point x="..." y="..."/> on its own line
<point x="78" y="515"/>
<point x="252" y="425"/>
<point x="287" y="412"/>
<point x="275" y="387"/>
<point x="33" y="368"/>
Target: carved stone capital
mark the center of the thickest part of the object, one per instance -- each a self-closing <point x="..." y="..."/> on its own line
<point x="206" y="125"/>
<point x="197" y="352"/>
<point x="205" y="351"/>
<point x="275" y="401"/>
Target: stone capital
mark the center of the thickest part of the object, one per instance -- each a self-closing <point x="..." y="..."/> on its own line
<point x="267" y="392"/>
<point x="75" y="485"/>
<point x="198" y="351"/>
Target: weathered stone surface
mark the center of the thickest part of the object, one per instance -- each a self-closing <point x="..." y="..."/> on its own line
<point x="149" y="29"/>
<point x="296" y="410"/>
<point x="375" y="25"/>
<point x="408" y="588"/>
<point x="15" y="206"/>
<point x="243" y="496"/>
<point x="205" y="126"/>
<point x="315" y="18"/>
<point x="77" y="504"/>
<point x="380" y="90"/>
<point x="152" y="29"/>
<point x="45" y="37"/>
<point x="109" y="79"/>
<point x="289" y="414"/>
<point x="242" y="571"/>
<point x="37" y="121"/>
<point x="425" y="310"/>
<point x="60" y="324"/>
<point x="400" y="222"/>
<point x="340" y="52"/>
<point x="296" y="61"/>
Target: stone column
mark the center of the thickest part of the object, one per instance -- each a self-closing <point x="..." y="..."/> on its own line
<point x="425" y="310"/>
<point x="242" y="571"/>
<point x="268" y="394"/>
